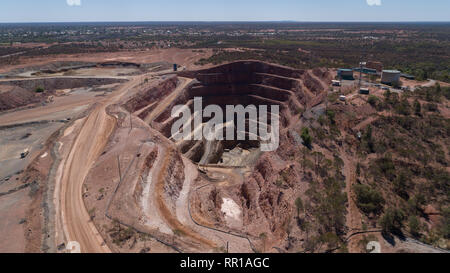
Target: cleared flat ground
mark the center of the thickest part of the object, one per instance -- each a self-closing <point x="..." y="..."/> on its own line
<point x="183" y="57"/>
<point x="62" y="108"/>
<point x="29" y="128"/>
<point x="15" y="140"/>
<point x="12" y="209"/>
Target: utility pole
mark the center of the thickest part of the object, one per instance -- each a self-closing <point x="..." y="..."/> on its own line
<point x="118" y="164"/>
<point x="131" y="123"/>
<point x="360" y="73"/>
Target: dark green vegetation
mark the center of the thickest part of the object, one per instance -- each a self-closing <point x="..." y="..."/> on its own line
<point x="392" y="221"/>
<point x="410" y="169"/>
<point x="307" y="139"/>
<point x="327" y="205"/>
<point x="400" y="159"/>
<point x="368" y="199"/>
<point x="421" y="59"/>
<point x="420" y="49"/>
<point x="321" y="213"/>
<point x="39" y="89"/>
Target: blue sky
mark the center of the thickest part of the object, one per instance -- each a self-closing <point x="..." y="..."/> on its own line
<point x="223" y="10"/>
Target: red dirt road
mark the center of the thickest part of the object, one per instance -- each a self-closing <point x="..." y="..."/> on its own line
<point x="88" y="146"/>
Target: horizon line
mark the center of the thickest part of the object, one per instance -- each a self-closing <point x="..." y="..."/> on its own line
<point x="225" y="21"/>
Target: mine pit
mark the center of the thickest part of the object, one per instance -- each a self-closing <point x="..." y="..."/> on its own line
<point x="239" y="156"/>
<point x="246" y="83"/>
<point x="195" y="183"/>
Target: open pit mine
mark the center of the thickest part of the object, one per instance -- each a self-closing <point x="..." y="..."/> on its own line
<point x="200" y="195"/>
<point x="112" y="177"/>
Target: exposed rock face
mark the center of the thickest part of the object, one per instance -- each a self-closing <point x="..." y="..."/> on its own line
<point x="246" y="83"/>
<point x="174" y="179"/>
<point x="260" y="194"/>
<point x="265" y="205"/>
<point x="148" y="165"/>
<point x="206" y="204"/>
<point x="323" y="74"/>
<point x="149" y="94"/>
<point x="262" y="200"/>
<point x="433" y="215"/>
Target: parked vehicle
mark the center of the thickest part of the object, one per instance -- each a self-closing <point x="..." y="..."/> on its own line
<point x="335" y="83"/>
<point x="25" y="153"/>
<point x="364" y="91"/>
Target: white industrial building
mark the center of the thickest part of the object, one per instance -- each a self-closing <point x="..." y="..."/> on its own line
<point x="390" y="76"/>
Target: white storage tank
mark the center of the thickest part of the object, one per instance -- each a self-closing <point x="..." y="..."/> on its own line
<point x="390" y="76"/>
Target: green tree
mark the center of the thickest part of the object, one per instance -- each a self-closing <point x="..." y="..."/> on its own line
<point x="416" y="203"/>
<point x="387" y="96"/>
<point x="372" y="100"/>
<point x="318" y="157"/>
<point x="39" y="89"/>
<point x="299" y="205"/>
<point x="438" y="88"/>
<point x="401" y="185"/>
<point x="369" y="139"/>
<point x="428" y="95"/>
<point x="445" y="226"/>
<point x="307" y="139"/>
<point x="425" y="75"/>
<point x="368" y="199"/>
<point x="417" y="108"/>
<point x="331" y="116"/>
<point x="358" y="169"/>
<point x="392" y="221"/>
<point x="414" y="226"/>
<point x="403" y="107"/>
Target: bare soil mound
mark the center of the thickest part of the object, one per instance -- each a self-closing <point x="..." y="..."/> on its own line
<point x="14" y="96"/>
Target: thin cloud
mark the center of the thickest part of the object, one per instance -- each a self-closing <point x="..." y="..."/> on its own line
<point x="374" y="2"/>
<point x="73" y="2"/>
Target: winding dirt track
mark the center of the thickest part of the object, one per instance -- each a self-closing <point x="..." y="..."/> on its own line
<point x="353" y="216"/>
<point x="88" y="146"/>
